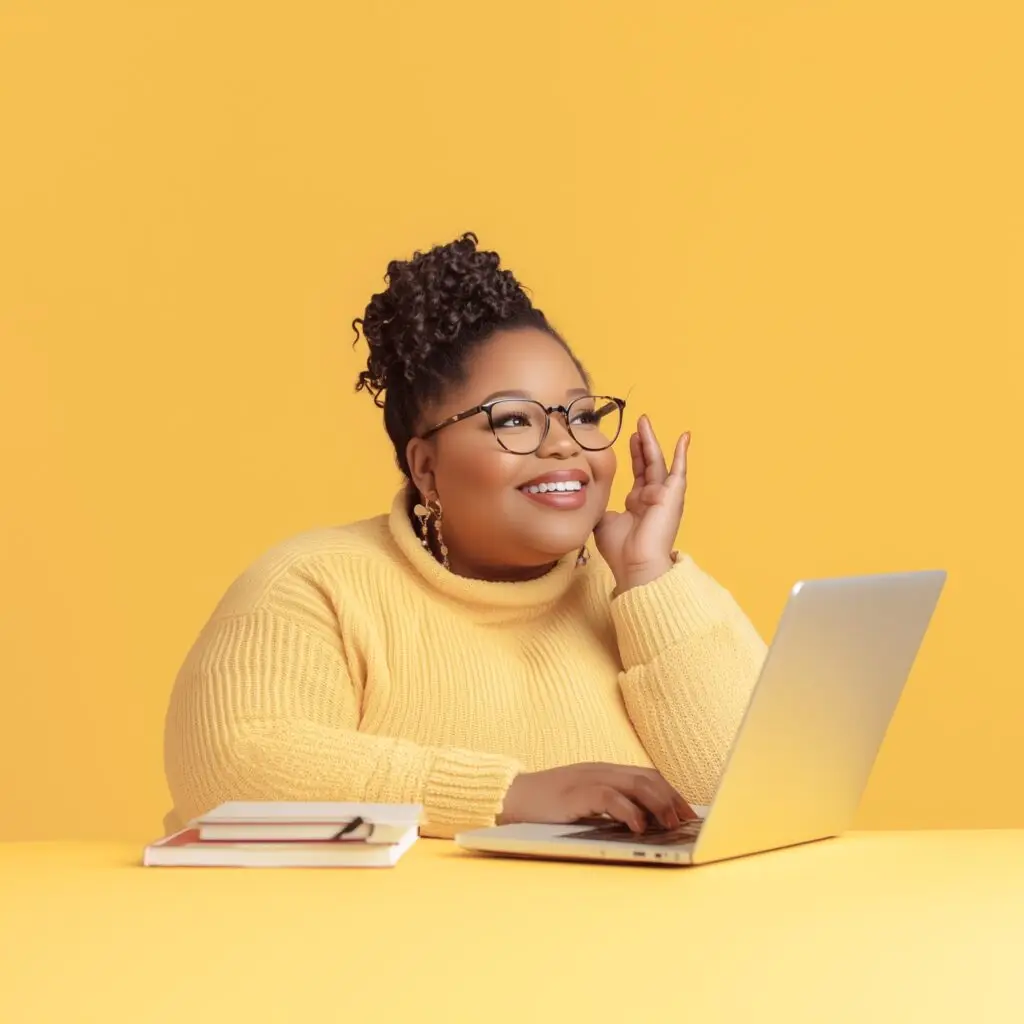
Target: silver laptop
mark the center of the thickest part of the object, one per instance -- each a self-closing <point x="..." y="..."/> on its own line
<point x="807" y="743"/>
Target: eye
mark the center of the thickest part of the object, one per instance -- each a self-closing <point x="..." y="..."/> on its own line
<point x="511" y="419"/>
<point x="589" y="415"/>
<point x="505" y="416"/>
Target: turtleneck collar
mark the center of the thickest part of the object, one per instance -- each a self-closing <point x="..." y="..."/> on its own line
<point x="480" y="593"/>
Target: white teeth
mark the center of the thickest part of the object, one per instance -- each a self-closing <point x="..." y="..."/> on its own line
<point x="560" y="485"/>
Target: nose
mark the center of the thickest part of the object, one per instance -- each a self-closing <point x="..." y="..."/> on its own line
<point x="559" y="443"/>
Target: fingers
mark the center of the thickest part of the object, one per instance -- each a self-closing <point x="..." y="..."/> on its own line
<point x="650" y="790"/>
<point x="679" y="457"/>
<point x="682" y="808"/>
<point x="658" y="797"/>
<point x="636" y="454"/>
<point x="655" y="469"/>
<point x="634" y="502"/>
<point x="648" y="464"/>
<point x="604" y="799"/>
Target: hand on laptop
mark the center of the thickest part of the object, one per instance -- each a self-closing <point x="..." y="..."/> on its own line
<point x="634" y="796"/>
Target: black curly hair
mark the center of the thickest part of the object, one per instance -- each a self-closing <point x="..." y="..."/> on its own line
<point x="438" y="308"/>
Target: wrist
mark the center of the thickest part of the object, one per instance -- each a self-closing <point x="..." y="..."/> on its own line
<point x="638" y="576"/>
<point x="505" y="815"/>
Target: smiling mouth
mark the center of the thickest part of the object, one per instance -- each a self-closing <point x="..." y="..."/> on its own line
<point x="557" y="487"/>
<point x="560" y="495"/>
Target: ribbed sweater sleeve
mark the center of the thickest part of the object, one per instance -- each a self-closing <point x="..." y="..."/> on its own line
<point x="268" y="711"/>
<point x="690" y="660"/>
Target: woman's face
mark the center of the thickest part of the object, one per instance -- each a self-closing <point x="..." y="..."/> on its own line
<point x="493" y="526"/>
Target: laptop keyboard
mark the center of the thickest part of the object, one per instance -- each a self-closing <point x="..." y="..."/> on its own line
<point x="616" y="832"/>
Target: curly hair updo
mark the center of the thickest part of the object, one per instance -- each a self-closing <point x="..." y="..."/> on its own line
<point x="438" y="307"/>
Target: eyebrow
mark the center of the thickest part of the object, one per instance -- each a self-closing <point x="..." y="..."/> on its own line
<point x="573" y="393"/>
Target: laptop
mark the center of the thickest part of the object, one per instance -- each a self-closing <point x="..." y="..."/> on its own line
<point x="806" y="745"/>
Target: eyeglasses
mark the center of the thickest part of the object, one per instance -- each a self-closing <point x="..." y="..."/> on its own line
<point x="521" y="424"/>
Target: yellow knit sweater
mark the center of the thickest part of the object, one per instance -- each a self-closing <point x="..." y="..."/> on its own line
<point x="346" y="664"/>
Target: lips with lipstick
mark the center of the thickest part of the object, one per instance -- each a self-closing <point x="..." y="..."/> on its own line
<point x="562" y="489"/>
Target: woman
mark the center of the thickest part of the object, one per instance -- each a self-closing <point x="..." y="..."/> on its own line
<point x="464" y="652"/>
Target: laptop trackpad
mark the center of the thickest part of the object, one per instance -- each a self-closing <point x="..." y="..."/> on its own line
<point x="616" y="832"/>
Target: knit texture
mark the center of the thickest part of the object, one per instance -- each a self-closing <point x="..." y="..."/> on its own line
<point x="346" y="664"/>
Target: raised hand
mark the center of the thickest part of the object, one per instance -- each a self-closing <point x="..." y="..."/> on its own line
<point x="637" y="543"/>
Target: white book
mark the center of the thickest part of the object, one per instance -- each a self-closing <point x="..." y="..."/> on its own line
<point x="186" y="849"/>
<point x="307" y="821"/>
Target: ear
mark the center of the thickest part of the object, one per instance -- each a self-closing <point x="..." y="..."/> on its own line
<point x="421" y="455"/>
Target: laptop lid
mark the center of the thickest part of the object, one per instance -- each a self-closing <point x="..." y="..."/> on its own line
<point x="817" y="717"/>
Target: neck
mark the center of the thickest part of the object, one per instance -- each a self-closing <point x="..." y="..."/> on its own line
<point x="497" y="573"/>
<point x="492" y="592"/>
<point x="471" y="570"/>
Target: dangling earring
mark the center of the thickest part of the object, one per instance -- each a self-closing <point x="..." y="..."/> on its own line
<point x="583" y="557"/>
<point x="435" y="507"/>
<point x="424" y="513"/>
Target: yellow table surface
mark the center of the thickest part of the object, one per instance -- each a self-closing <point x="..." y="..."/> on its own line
<point x="871" y="927"/>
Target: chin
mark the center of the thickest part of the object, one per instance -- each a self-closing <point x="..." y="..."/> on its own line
<point x="551" y="549"/>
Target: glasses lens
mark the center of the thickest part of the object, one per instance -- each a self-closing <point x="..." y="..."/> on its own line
<point x="518" y="424"/>
<point x="595" y="421"/>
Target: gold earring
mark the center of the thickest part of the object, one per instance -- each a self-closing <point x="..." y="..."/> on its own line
<point x="442" y="547"/>
<point x="583" y="557"/>
<point x="424" y="513"/>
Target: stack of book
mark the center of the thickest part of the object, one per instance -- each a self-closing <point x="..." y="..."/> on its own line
<point x="284" y="834"/>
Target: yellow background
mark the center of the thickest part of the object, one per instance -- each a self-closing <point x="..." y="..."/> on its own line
<point x="796" y="228"/>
